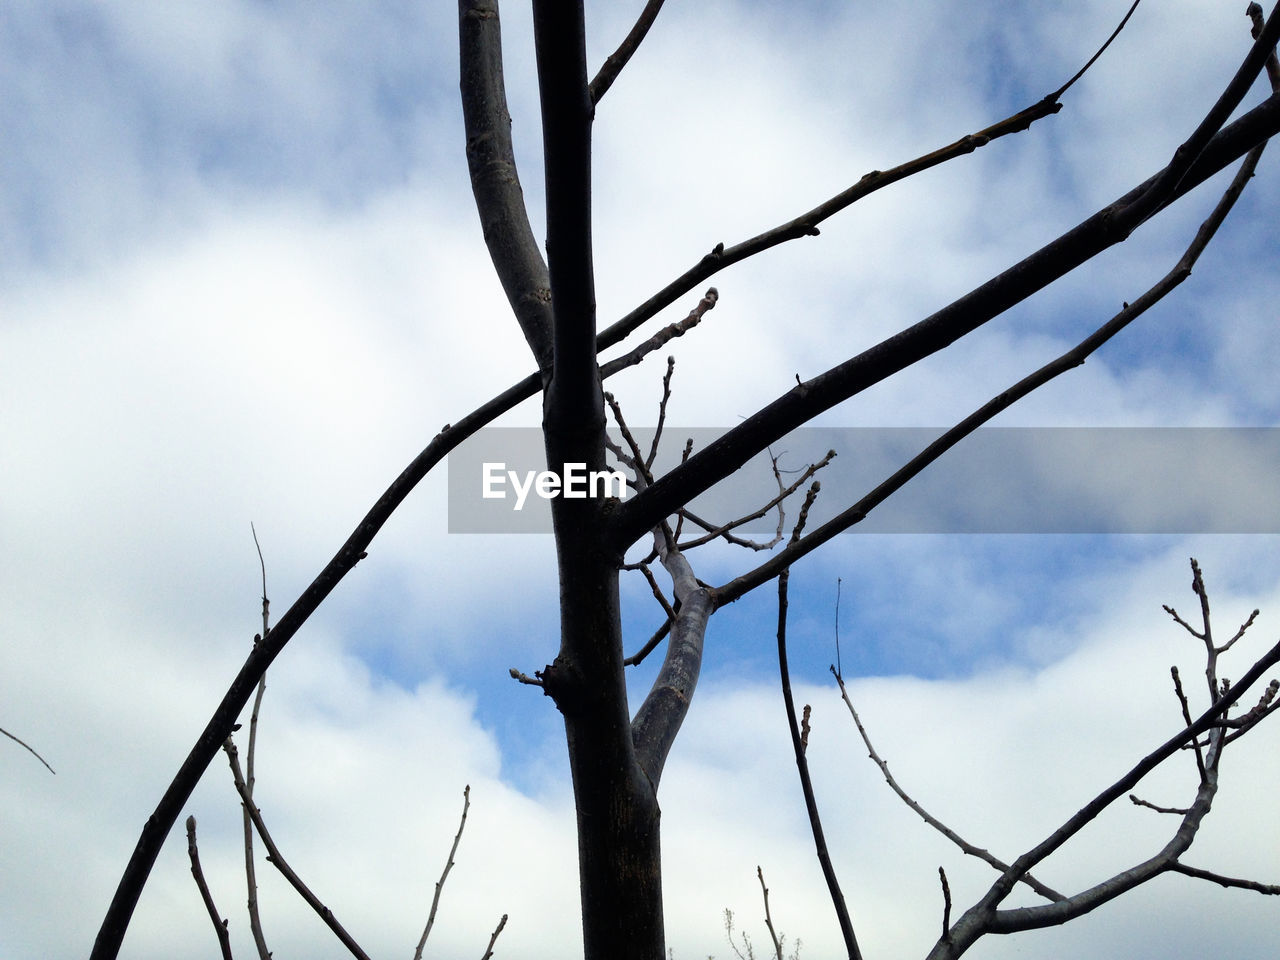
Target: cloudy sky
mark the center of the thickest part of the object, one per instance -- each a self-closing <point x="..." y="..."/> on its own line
<point x="241" y="280"/>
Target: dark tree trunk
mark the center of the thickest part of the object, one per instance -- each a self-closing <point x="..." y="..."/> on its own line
<point x="617" y="810"/>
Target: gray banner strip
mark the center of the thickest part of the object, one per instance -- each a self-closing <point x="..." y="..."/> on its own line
<point x="999" y="480"/>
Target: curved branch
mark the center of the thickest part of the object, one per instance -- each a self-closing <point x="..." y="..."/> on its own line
<point x="659" y="718"/>
<point x="798" y="742"/>
<point x="494" y="181"/>
<point x="1055" y="368"/>
<point x="116" y="921"/>
<point x="279" y="862"/>
<point x="974" y="851"/>
<point x="806" y="225"/>
<point x="111" y="933"/>
<point x="614" y="63"/>
<point x="31" y="750"/>
<point x="983" y="916"/>
<point x="1104" y="229"/>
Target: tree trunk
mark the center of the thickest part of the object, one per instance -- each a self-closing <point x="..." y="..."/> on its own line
<point x="617" y="810"/>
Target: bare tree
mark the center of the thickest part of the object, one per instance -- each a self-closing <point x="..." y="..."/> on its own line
<point x="616" y="752"/>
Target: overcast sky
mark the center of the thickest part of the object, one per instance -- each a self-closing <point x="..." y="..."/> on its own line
<point x="241" y="280"/>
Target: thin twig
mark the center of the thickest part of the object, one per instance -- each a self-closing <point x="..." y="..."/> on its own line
<point x="29" y="749"/>
<point x="251" y="752"/>
<point x="768" y="918"/>
<point x="1102" y="49"/>
<point x="278" y="861"/>
<point x="435" y="900"/>
<point x="1186" y="718"/>
<point x="722" y="531"/>
<point x="657" y="592"/>
<point x="1139" y="802"/>
<point x="946" y="904"/>
<point x="1270" y="889"/>
<point x="662" y="414"/>
<point x="219" y="922"/>
<point x="650" y="644"/>
<point x="614" y="63"/>
<point x="488" y="951"/>
<point x="806" y="783"/>
<point x="974" y="851"/>
<point x="806" y="224"/>
<point x="1002" y="401"/>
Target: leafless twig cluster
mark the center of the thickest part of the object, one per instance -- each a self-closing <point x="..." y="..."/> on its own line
<point x="243" y="779"/>
<point x="1207" y="736"/>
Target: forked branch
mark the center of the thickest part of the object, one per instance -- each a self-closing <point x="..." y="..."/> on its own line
<point x="494" y="180"/>
<point x="806" y="224"/>
<point x="1069" y="360"/>
<point x="275" y="857"/>
<point x="197" y="872"/>
<point x="614" y="63"/>
<point x="986" y="916"/>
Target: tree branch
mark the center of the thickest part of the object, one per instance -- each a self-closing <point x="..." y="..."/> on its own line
<point x="614" y="63"/>
<point x="219" y="923"/>
<point x="29" y="749"/>
<point x="806" y="783"/>
<point x="974" y="851"/>
<point x="573" y="396"/>
<point x="984" y="918"/>
<point x="282" y="865"/>
<point x="806" y="225"/>
<point x="1269" y="889"/>
<point x="494" y="180"/>
<point x="453" y="850"/>
<point x="250" y="869"/>
<point x="768" y="917"/>
<point x="493" y="938"/>
<point x="1067" y="361"/>
<point x="116" y="921"/>
<point x="1104" y="229"/>
<point x="659" y="718"/>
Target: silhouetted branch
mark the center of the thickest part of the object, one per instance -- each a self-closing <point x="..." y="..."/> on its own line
<point x="1107" y="227"/>
<point x="495" y="182"/>
<point x="661" y="338"/>
<point x="277" y="860"/>
<point x="453" y="850"/>
<point x="29" y="749"/>
<point x="1269" y="889"/>
<point x="1002" y="401"/>
<point x="806" y="225"/>
<point x="116" y="921"/>
<point x="974" y="851"/>
<point x="722" y="531"/>
<point x="219" y="923"/>
<point x="1139" y="802"/>
<point x="768" y="917"/>
<point x="649" y="645"/>
<point x="250" y="868"/>
<point x="488" y="951"/>
<point x="946" y="904"/>
<point x="657" y="592"/>
<point x="614" y="63"/>
<point x="806" y="784"/>
<point x="1092" y="60"/>
<point x="985" y="917"/>
<point x="1186" y="717"/>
